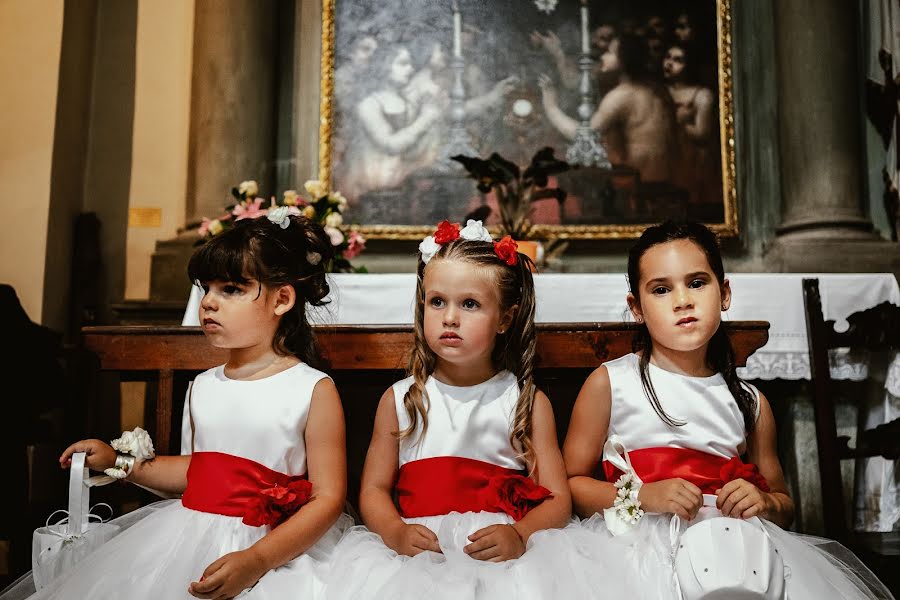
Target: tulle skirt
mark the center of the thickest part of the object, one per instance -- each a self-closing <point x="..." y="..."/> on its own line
<point x="556" y="565"/>
<point x="817" y="568"/>
<point x="164" y="546"/>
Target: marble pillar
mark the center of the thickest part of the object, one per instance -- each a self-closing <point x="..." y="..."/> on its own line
<point x="823" y="225"/>
<point x="233" y="99"/>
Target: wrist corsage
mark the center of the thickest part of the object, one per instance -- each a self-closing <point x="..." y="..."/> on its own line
<point x="626" y="510"/>
<point x="134" y="445"/>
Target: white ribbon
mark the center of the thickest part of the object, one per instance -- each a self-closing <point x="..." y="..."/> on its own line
<point x="615" y="453"/>
<point x="79" y="513"/>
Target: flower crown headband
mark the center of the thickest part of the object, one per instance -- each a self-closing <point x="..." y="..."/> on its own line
<point x="506" y="249"/>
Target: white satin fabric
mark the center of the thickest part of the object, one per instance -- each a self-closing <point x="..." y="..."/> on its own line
<point x="468" y="422"/>
<point x="713" y="421"/>
<point x="165" y="546"/>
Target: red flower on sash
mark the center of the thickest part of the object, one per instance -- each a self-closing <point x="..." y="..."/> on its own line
<point x="737" y="469"/>
<point x="515" y="494"/>
<point x="506" y="250"/>
<point x="446" y="232"/>
<point x="275" y="504"/>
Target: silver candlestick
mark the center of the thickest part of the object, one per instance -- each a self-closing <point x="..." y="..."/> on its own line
<point x="585" y="149"/>
<point x="458" y="139"/>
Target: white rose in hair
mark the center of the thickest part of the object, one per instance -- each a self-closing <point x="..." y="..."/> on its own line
<point x="428" y="248"/>
<point x="475" y="231"/>
<point x="137" y="443"/>
<point x="279" y="216"/>
<point x="248" y="188"/>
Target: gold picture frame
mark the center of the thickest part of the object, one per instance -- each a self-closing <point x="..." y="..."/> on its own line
<point x="333" y="120"/>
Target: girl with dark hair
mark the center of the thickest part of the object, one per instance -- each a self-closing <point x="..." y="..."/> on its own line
<point x="264" y="485"/>
<point x="679" y="433"/>
<point x="464" y="468"/>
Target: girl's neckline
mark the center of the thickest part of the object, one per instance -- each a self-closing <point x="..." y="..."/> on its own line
<point x="220" y="374"/>
<point x="700" y="378"/>
<point x="496" y="375"/>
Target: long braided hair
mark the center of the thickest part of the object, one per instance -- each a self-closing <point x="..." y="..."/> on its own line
<point x="514" y="349"/>
<point x="719" y="353"/>
<point x="261" y="250"/>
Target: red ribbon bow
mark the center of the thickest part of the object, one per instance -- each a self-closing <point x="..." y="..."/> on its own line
<point x="276" y="504"/>
<point x="515" y="494"/>
<point x="735" y="468"/>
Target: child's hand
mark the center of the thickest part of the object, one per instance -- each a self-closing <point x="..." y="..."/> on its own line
<point x="677" y="496"/>
<point x="98" y="455"/>
<point x="495" y="543"/>
<point x="229" y="575"/>
<point x="741" y="499"/>
<point x="413" y="539"/>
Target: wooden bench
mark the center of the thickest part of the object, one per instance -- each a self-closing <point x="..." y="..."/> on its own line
<point x="363" y="361"/>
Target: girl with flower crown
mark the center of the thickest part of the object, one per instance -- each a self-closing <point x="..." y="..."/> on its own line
<point x="264" y="485"/>
<point x="463" y="492"/>
<point x="682" y="441"/>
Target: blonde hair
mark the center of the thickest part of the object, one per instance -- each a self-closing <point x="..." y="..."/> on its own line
<point x="514" y="349"/>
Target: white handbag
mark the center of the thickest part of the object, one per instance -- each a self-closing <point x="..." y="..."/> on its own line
<point x="722" y="557"/>
<point x="56" y="548"/>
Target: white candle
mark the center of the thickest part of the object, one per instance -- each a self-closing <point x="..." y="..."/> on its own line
<point x="585" y="47"/>
<point x="457" y="29"/>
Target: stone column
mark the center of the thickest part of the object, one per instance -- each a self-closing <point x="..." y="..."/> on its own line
<point x="819" y="78"/>
<point x="233" y="101"/>
<point x="819" y="118"/>
<point x="824" y="227"/>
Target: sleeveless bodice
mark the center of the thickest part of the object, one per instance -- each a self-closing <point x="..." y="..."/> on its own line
<point x="467" y="422"/>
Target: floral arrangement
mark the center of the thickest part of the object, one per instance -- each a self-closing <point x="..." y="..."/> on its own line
<point x="516" y="189"/>
<point x="323" y="207"/>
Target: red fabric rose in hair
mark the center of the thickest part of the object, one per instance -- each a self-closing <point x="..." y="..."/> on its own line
<point x="737" y="469"/>
<point x="515" y="494"/>
<point x="446" y="232"/>
<point x="276" y="504"/>
<point x="506" y="249"/>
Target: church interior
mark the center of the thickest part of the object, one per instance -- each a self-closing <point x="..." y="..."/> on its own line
<point x="137" y="129"/>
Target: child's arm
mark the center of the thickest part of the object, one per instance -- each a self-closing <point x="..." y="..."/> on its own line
<point x="583" y="449"/>
<point x="164" y="473"/>
<point x="740" y="498"/>
<point x="327" y="471"/>
<point x="376" y="501"/>
<point x="497" y="543"/>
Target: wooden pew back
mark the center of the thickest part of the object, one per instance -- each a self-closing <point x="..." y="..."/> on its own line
<point x="363" y="361"/>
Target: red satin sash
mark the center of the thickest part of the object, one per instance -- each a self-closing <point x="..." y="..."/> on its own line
<point x="239" y="487"/>
<point x="707" y="471"/>
<point x="440" y="485"/>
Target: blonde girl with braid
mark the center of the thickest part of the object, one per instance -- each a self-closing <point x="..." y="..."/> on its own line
<point x="464" y="491"/>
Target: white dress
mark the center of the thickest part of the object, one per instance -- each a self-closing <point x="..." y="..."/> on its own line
<point x="467" y="426"/>
<point x="818" y="568"/>
<point x="166" y="546"/>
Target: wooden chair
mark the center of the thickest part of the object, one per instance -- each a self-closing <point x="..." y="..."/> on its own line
<point x="876" y="329"/>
